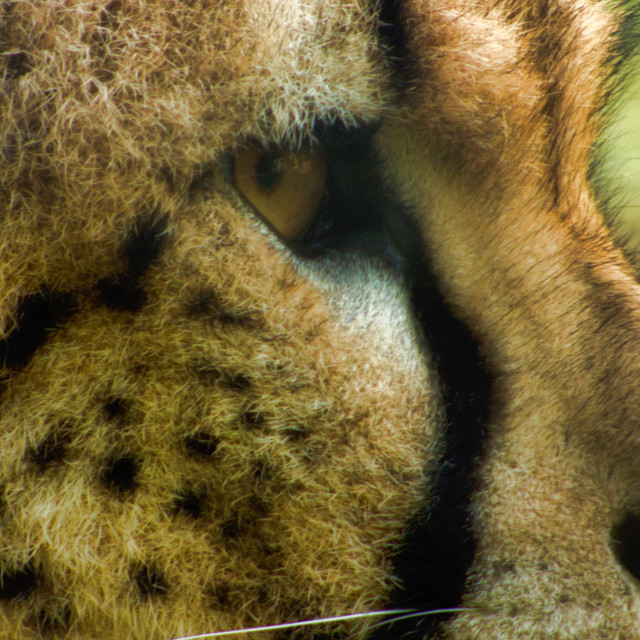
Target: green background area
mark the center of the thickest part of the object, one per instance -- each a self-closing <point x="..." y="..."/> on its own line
<point x="621" y="167"/>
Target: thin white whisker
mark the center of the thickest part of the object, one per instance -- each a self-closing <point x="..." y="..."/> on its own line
<point x="415" y="614"/>
<point x="290" y="625"/>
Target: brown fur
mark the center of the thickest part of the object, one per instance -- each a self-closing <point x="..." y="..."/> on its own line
<point x="241" y="441"/>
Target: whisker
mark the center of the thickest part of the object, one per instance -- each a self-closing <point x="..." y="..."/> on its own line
<point x="412" y="613"/>
<point x="417" y="614"/>
<point x="301" y="623"/>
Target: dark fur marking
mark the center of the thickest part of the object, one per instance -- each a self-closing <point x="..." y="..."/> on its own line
<point x="52" y="450"/>
<point x="392" y="35"/>
<point x="150" y="582"/>
<point x="625" y="543"/>
<point x="38" y="315"/>
<point x="140" y="250"/>
<point x="189" y="502"/>
<point x="120" y="474"/>
<point x="121" y="294"/>
<point x="16" y="64"/>
<point x="19" y="583"/>
<point x="260" y="508"/>
<point x="440" y="544"/>
<point x="116" y="409"/>
<point x="252" y="419"/>
<point x="202" y="444"/>
<point x="237" y="382"/>
<point x="205" y="304"/>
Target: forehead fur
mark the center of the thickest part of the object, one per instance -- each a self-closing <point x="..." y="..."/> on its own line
<point x="179" y="81"/>
<point x="111" y="108"/>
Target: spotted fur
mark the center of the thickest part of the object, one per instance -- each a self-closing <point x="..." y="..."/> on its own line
<point x="205" y="428"/>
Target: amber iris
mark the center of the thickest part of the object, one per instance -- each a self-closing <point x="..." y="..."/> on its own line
<point x="284" y="186"/>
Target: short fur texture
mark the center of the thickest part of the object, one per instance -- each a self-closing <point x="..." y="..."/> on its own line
<point x="200" y="429"/>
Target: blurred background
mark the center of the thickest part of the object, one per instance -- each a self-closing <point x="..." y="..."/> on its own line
<point x="621" y="166"/>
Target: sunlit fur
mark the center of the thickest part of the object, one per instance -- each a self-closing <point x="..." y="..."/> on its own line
<point x="201" y="432"/>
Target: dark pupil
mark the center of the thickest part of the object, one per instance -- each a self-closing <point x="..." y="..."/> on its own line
<point x="269" y="170"/>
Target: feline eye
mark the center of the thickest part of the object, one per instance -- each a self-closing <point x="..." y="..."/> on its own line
<point x="284" y="186"/>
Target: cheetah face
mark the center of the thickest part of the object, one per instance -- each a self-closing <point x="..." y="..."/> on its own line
<point x="303" y="318"/>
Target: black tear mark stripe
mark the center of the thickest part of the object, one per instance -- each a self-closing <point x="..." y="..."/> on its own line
<point x="38" y="316"/>
<point x="440" y="545"/>
<point x="394" y="40"/>
<point x="141" y="249"/>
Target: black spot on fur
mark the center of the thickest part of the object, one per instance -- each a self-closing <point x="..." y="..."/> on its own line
<point x="119" y="474"/>
<point x="150" y="582"/>
<point x="189" y="503"/>
<point x="38" y="315"/>
<point x="144" y="244"/>
<point x="52" y="450"/>
<point x="140" y="250"/>
<point x="202" y="303"/>
<point x="237" y="382"/>
<point x="253" y="419"/>
<point x="17" y="64"/>
<point x="18" y="583"/>
<point x="202" y="444"/>
<point x="625" y="542"/>
<point x="116" y="409"/>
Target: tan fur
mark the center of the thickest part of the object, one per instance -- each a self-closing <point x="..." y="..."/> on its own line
<point x="323" y="407"/>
